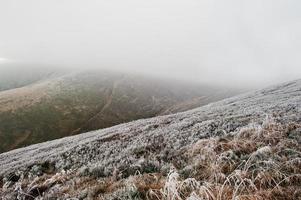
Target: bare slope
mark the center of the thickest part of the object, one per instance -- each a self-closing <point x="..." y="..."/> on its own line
<point x="246" y="147"/>
<point x="78" y="102"/>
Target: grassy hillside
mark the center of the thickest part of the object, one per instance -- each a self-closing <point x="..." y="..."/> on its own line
<point x="246" y="148"/>
<point x="83" y="101"/>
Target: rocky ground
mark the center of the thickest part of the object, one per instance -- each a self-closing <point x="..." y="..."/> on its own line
<point x="246" y="147"/>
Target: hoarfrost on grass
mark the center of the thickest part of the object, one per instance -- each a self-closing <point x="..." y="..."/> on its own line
<point x="239" y="146"/>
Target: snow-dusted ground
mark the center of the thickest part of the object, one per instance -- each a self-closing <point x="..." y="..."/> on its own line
<point x="119" y="147"/>
<point x="112" y="145"/>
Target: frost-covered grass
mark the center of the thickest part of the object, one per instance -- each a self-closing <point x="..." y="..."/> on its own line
<point x="247" y="147"/>
<point x="256" y="163"/>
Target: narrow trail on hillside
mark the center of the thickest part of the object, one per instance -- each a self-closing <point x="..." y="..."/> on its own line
<point x="107" y="104"/>
<point x="19" y="140"/>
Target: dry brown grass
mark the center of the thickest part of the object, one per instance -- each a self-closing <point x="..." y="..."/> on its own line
<point x="259" y="162"/>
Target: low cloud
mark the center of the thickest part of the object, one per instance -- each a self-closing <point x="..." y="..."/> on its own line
<point x="235" y="42"/>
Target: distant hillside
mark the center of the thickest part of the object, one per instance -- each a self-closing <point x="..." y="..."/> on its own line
<point x="14" y="75"/>
<point x="76" y="102"/>
<point x="246" y="147"/>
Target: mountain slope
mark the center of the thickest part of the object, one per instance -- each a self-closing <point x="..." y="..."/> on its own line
<point x="246" y="147"/>
<point x="78" y="102"/>
<point x="15" y="75"/>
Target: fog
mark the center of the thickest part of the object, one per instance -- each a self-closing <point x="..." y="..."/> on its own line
<point x="233" y="42"/>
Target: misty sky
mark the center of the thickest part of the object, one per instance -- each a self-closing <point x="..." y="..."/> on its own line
<point x="232" y="42"/>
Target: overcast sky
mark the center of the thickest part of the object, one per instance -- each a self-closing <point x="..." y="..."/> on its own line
<point x="233" y="42"/>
